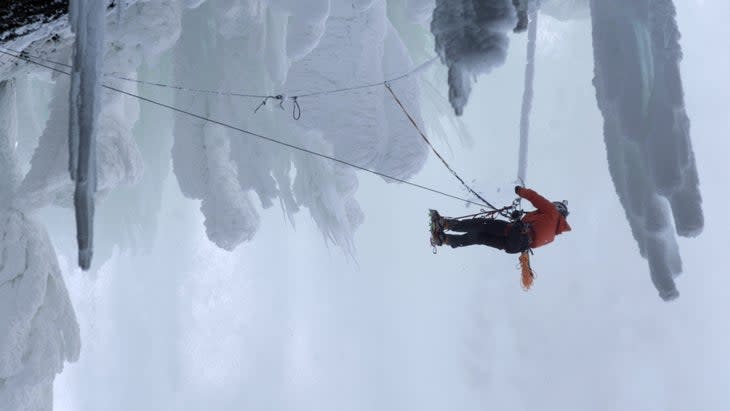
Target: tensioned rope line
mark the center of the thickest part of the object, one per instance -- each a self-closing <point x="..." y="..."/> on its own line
<point x="423" y="135"/>
<point x="296" y="110"/>
<point x="260" y="136"/>
<point x="380" y="83"/>
<point x="145" y="82"/>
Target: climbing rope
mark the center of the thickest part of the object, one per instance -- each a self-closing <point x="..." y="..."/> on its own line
<point x="144" y="82"/>
<point x="513" y="211"/>
<point x="259" y="136"/>
<point x="296" y="110"/>
<point x="445" y="163"/>
<point x="410" y="72"/>
<point x="281" y="98"/>
<point x="526" y="271"/>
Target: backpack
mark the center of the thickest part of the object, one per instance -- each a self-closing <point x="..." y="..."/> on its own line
<point x="518" y="238"/>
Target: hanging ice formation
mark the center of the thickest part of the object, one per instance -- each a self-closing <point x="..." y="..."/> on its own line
<point x="87" y="20"/>
<point x="471" y="39"/>
<point x="646" y="129"/>
<point x="285" y="45"/>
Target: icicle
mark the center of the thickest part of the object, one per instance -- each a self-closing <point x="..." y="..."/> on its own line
<point x="8" y="139"/>
<point x="528" y="92"/>
<point x="87" y="22"/>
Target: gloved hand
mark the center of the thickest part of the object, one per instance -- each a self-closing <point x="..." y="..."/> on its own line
<point x="517" y="189"/>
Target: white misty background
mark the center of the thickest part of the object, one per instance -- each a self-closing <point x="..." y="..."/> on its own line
<point x="169" y="319"/>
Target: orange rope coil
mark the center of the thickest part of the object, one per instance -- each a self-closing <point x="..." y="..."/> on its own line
<point x="528" y="276"/>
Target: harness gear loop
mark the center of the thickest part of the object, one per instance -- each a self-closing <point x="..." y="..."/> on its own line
<point x="296" y="109"/>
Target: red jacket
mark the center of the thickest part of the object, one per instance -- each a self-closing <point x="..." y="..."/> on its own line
<point x="545" y="222"/>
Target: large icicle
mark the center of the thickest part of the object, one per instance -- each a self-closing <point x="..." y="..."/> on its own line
<point x="528" y="92"/>
<point x="8" y="138"/>
<point x="646" y="129"/>
<point x="87" y="22"/>
<point x="471" y="39"/>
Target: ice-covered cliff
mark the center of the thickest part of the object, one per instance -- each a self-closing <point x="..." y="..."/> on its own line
<point x="646" y="129"/>
<point x="251" y="46"/>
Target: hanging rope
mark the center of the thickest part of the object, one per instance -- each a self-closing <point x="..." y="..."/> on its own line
<point x="512" y="211"/>
<point x="410" y="72"/>
<point x="259" y="136"/>
<point x="448" y="167"/>
<point x="296" y="108"/>
<point x="144" y="82"/>
<point x="296" y="114"/>
<point x="528" y="275"/>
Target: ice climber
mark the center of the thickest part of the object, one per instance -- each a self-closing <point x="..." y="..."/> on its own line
<point x="534" y="229"/>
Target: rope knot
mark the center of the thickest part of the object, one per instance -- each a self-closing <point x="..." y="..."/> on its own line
<point x="296" y="108"/>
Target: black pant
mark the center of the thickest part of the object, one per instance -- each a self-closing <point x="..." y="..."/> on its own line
<point x="488" y="231"/>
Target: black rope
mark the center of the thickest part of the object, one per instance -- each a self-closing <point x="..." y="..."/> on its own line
<point x="190" y="89"/>
<point x="342" y="90"/>
<point x="482" y="213"/>
<point x="145" y="82"/>
<point x="448" y="167"/>
<point x="260" y="136"/>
